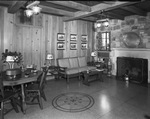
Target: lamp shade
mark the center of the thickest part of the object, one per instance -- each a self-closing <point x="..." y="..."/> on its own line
<point x="93" y="54"/>
<point x="10" y="59"/>
<point x="49" y="56"/>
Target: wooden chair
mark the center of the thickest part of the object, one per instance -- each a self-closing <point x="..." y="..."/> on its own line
<point x="36" y="90"/>
<point x="5" y="97"/>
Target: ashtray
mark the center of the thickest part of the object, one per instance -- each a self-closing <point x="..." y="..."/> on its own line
<point x="26" y="75"/>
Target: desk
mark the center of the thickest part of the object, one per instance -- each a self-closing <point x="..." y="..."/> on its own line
<point x="21" y="81"/>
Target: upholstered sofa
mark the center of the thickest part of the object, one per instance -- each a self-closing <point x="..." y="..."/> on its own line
<point x="73" y="66"/>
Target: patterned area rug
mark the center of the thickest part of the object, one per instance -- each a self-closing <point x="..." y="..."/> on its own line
<point x="73" y="102"/>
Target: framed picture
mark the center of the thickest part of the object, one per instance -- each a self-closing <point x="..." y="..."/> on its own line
<point x="73" y="46"/>
<point x="83" y="46"/>
<point x="60" y="36"/>
<point x="60" y="46"/>
<point x="73" y="37"/>
<point x="84" y="38"/>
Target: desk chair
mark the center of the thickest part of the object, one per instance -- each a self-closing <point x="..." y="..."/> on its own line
<point x="6" y="96"/>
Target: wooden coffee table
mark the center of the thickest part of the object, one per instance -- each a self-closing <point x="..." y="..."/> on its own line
<point x="87" y="74"/>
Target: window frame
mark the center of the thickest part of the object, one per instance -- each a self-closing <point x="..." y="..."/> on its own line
<point x="107" y="45"/>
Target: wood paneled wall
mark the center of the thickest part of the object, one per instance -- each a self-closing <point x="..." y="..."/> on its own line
<point x="35" y="41"/>
<point x="1" y="34"/>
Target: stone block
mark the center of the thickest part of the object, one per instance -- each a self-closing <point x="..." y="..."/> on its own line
<point x="131" y="17"/>
<point x="148" y="45"/>
<point x="130" y="22"/>
<point x="123" y="23"/>
<point x="142" y="20"/>
<point x="116" y="27"/>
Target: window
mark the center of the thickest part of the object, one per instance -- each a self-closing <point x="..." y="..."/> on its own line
<point x="104" y="41"/>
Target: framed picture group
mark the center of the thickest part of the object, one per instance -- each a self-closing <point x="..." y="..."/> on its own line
<point x="84" y="40"/>
<point x="73" y="42"/>
<point x="60" y="41"/>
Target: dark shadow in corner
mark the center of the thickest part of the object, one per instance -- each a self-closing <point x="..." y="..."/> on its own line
<point x="147" y="117"/>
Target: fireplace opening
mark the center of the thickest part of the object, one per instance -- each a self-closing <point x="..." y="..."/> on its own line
<point x="133" y="69"/>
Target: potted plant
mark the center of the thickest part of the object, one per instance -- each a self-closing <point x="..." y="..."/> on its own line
<point x="11" y="58"/>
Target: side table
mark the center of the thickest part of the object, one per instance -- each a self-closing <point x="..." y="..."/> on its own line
<point x="87" y="74"/>
<point x="54" y="70"/>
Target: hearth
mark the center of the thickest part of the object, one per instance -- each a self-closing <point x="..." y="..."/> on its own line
<point x="132" y="69"/>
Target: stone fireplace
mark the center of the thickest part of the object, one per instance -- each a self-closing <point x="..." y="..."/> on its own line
<point x="130" y="52"/>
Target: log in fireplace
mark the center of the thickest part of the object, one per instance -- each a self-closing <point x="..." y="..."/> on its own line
<point x="132" y="69"/>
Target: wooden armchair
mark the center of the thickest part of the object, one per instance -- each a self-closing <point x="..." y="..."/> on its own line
<point x="5" y="96"/>
<point x="36" y="90"/>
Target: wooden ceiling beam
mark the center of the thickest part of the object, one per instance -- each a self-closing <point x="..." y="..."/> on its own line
<point x="15" y="6"/>
<point x="91" y="19"/>
<point x="98" y="9"/>
<point x="134" y="10"/>
<point x="4" y="3"/>
<point x="116" y="16"/>
<point x="55" y="11"/>
<point x="73" y="5"/>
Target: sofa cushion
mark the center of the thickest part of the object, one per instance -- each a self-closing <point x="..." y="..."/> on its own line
<point x="64" y="62"/>
<point x="82" y="61"/>
<point x="73" y="62"/>
<point x="72" y="71"/>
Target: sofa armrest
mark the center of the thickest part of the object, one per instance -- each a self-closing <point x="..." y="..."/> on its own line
<point x="62" y="68"/>
<point x="91" y="63"/>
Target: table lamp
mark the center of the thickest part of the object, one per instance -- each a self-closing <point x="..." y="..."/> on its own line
<point x="10" y="60"/>
<point x="93" y="54"/>
<point x="49" y="58"/>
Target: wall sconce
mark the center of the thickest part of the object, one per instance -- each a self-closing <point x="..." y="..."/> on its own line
<point x="29" y="12"/>
<point x="33" y="8"/>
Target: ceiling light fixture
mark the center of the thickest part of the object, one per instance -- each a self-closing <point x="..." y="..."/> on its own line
<point x="32" y="8"/>
<point x="103" y="22"/>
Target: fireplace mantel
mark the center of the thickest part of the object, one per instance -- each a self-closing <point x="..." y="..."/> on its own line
<point x="131" y="49"/>
<point x="130" y="52"/>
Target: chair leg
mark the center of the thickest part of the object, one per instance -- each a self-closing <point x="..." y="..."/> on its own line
<point x="2" y="109"/>
<point x="43" y="95"/>
<point x="40" y="100"/>
<point x="14" y="105"/>
<point x="67" y="79"/>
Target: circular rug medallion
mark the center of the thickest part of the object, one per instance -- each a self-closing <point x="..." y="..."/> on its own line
<point x="73" y="102"/>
